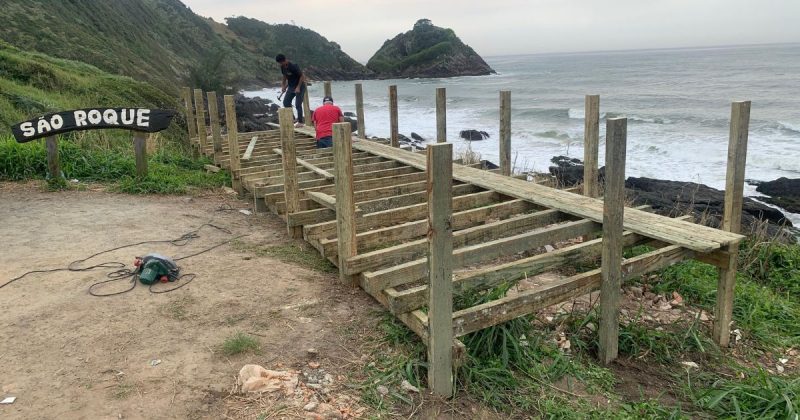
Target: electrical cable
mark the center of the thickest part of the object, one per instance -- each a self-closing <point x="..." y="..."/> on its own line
<point x="124" y="273"/>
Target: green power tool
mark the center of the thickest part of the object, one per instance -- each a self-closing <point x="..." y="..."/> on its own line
<point x="156" y="267"/>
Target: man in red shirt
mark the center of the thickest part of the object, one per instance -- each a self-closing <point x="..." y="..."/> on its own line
<point x="323" y="118"/>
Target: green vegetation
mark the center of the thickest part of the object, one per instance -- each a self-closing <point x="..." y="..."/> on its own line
<point x="299" y="253"/>
<point x="239" y="343"/>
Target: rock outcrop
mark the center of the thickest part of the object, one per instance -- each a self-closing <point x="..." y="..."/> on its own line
<point x="427" y="51"/>
<point x="782" y="192"/>
<point x="473" y="135"/>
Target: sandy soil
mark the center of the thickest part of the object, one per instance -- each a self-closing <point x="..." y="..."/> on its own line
<point x="66" y="354"/>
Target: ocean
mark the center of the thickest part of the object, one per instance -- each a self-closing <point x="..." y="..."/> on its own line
<point x="677" y="102"/>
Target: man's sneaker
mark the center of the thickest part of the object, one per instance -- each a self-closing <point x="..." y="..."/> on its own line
<point x="299" y="125"/>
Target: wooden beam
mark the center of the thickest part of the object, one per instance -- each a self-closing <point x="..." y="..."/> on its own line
<point x="394" y="138"/>
<point x="440" y="277"/>
<point x="200" y="115"/>
<point x="190" y="120"/>
<point x="591" y="145"/>
<point x="307" y="109"/>
<point x="360" y="111"/>
<point x="248" y="154"/>
<point x="732" y="218"/>
<point x="613" y="214"/>
<point x="139" y="147"/>
<point x="505" y="132"/>
<point x="510" y="307"/>
<point x="345" y="205"/>
<point x="216" y="134"/>
<point x="441" y="115"/>
<point x="53" y="166"/>
<point x="327" y="88"/>
<point x="324" y="199"/>
<point x="291" y="191"/>
<point x="232" y="127"/>
<point x="313" y="168"/>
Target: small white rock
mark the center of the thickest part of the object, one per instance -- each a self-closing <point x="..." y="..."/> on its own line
<point x="691" y="365"/>
<point x="310" y="406"/>
<point x="783" y="361"/>
<point x="779" y="368"/>
<point x="408" y="387"/>
<point x="383" y="390"/>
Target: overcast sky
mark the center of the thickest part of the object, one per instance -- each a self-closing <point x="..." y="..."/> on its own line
<point x="530" y="26"/>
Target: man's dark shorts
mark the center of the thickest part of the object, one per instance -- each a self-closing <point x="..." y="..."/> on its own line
<point x="324" y="142"/>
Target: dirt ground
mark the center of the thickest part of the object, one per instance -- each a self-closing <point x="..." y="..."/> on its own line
<point x="69" y="355"/>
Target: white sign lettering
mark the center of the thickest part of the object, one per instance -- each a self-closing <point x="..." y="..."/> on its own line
<point x="143" y="117"/>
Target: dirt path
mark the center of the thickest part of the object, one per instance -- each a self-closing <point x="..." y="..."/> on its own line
<point x="66" y="354"/>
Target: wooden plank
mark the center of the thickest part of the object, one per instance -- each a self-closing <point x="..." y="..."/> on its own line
<point x="414" y="270"/>
<point x="216" y="134"/>
<point x="307" y="109"/>
<point x="324" y="199"/>
<point x="248" y="154"/>
<point x="510" y="307"/>
<point x="53" y="166"/>
<point x="313" y="168"/>
<point x="394" y="137"/>
<point x="441" y="115"/>
<point x="291" y="190"/>
<point x="200" y="115"/>
<point x="360" y="111"/>
<point x="613" y="214"/>
<point x="139" y="148"/>
<point x="689" y="235"/>
<point x="505" y="132"/>
<point x="591" y="145"/>
<point x="732" y="217"/>
<point x="440" y="277"/>
<point x="232" y="126"/>
<point x="345" y="205"/>
<point x="327" y="88"/>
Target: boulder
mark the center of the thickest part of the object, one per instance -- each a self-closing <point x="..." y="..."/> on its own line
<point x="783" y="192"/>
<point x="254" y="114"/>
<point x="417" y="137"/>
<point x="473" y="135"/>
<point x="569" y="171"/>
<point x="350" y="114"/>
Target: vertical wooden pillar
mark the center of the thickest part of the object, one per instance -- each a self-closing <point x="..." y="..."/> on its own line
<point x="613" y="212"/>
<point x="140" y="149"/>
<point x="191" y="124"/>
<point x="732" y="218"/>
<point x="213" y="118"/>
<point x="345" y="202"/>
<point x="591" y="145"/>
<point x="360" y="110"/>
<point x="233" y="142"/>
<point x="394" y="134"/>
<point x="307" y="109"/>
<point x="441" y="115"/>
<point x="327" y="88"/>
<point x="505" y="132"/>
<point x="53" y="165"/>
<point x="440" y="268"/>
<point x="289" y="157"/>
<point x="201" y="120"/>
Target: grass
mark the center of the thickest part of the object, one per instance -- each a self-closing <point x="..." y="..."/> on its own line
<point x="170" y="171"/>
<point x="299" y="253"/>
<point x="239" y="343"/>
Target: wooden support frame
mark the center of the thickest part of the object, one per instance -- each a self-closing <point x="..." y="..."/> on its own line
<point x="360" y="111"/>
<point x="505" y="132"/>
<point x="216" y="133"/>
<point x="232" y="126"/>
<point x="732" y="218"/>
<point x="440" y="277"/>
<point x="613" y="213"/>
<point x="591" y="145"/>
<point x="394" y="135"/>
<point x="290" y="190"/>
<point x="345" y="205"/>
<point x="200" y="115"/>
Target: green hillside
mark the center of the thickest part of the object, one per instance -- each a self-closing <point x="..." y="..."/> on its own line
<point x="320" y="58"/>
<point x="32" y="84"/>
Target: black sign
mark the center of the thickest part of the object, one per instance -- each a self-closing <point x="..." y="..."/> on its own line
<point x="136" y="119"/>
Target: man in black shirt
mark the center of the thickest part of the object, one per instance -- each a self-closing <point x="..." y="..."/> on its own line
<point x="294" y="85"/>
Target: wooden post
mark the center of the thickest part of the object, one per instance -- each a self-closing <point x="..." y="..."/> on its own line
<point x="591" y="145"/>
<point x="345" y="202"/>
<point x="613" y="212"/>
<point x="190" y="120"/>
<point x="201" y="120"/>
<point x="360" y="110"/>
<point x="233" y="142"/>
<point x="307" y="109"/>
<point x="213" y="117"/>
<point x="291" y="190"/>
<point x="53" y="166"/>
<point x="441" y="115"/>
<point x="440" y="268"/>
<point x="732" y="218"/>
<point x="394" y="134"/>
<point x="505" y="132"/>
<point x="140" y="149"/>
<point x="327" y="88"/>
